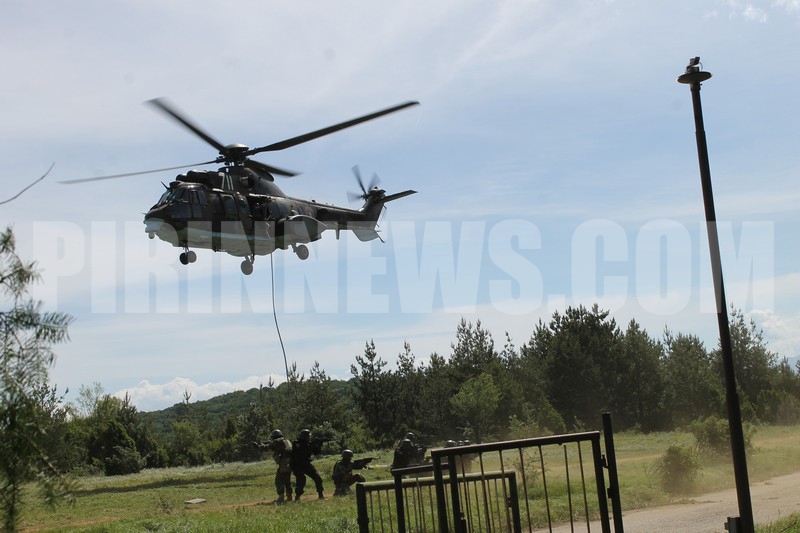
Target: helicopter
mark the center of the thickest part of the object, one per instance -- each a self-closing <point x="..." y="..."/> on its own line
<point x="238" y="208"/>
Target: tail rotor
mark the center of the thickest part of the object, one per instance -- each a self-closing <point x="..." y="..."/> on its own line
<point x="365" y="191"/>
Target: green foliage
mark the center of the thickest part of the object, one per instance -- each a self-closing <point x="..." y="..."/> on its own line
<point x="371" y="392"/>
<point x="475" y="404"/>
<point x="577" y="351"/>
<point x="639" y="384"/>
<point x="27" y="409"/>
<point x="252" y="426"/>
<point x="116" y="440"/>
<point x="712" y="436"/>
<point x="677" y="469"/>
<point x="755" y="366"/>
<point x="693" y="388"/>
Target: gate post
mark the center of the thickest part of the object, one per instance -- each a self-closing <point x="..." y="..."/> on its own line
<point x="613" y="480"/>
<point x="361" y="505"/>
<point x="441" y="502"/>
<point x="399" y="503"/>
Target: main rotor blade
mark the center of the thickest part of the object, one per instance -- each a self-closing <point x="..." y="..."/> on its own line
<point x="163" y="105"/>
<point x="325" y="131"/>
<point x="114" y="176"/>
<point x="258" y="166"/>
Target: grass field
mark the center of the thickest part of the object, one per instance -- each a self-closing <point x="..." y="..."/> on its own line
<point x="239" y="497"/>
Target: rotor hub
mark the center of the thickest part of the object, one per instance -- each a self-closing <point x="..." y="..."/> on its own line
<point x="234" y="152"/>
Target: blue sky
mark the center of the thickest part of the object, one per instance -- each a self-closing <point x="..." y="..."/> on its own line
<point x="553" y="152"/>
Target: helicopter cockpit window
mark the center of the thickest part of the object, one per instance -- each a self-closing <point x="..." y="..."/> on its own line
<point x="164" y="198"/>
<point x="197" y="205"/>
<point x="201" y="197"/>
<point x="178" y="195"/>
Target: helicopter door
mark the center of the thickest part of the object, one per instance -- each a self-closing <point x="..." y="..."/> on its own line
<point x="198" y="201"/>
<point x="229" y="207"/>
<point x="244" y="214"/>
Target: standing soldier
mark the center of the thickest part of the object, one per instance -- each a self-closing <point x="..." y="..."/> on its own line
<point x="302" y="450"/>
<point x="281" y="453"/>
<point x="343" y="476"/>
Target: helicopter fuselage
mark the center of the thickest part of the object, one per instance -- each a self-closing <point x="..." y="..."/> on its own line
<point x="244" y="214"/>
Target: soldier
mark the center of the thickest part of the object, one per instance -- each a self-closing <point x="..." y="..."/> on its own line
<point x="281" y="453"/>
<point x="302" y="450"/>
<point x="343" y="476"/>
<point x="404" y="454"/>
<point x="408" y="453"/>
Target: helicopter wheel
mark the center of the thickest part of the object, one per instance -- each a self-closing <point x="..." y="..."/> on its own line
<point x="187" y="257"/>
<point x="152" y="235"/>
<point x="247" y="267"/>
<point x="302" y="251"/>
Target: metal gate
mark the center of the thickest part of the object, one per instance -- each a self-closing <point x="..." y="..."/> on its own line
<point x="532" y="484"/>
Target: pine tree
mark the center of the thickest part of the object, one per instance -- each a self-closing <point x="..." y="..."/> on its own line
<point x="27" y="334"/>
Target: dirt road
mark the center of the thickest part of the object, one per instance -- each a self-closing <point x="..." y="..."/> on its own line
<point x="772" y="499"/>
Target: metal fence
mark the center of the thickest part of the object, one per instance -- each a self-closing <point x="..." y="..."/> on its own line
<point x="537" y="484"/>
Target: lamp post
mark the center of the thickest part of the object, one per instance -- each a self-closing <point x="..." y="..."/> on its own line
<point x="744" y="522"/>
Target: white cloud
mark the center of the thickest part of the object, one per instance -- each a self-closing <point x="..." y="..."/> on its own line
<point x="789" y="5"/>
<point x="754" y="13"/>
<point x="148" y="396"/>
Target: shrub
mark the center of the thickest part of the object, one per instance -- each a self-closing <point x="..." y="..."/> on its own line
<point x="712" y="436"/>
<point x="677" y="469"/>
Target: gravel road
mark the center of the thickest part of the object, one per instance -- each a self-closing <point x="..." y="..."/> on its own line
<point x="772" y="499"/>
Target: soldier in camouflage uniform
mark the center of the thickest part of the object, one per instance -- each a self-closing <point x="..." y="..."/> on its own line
<point x="343" y="476"/>
<point x="282" y="453"/>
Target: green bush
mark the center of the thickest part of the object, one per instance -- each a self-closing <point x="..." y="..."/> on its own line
<point x="123" y="461"/>
<point x="677" y="469"/>
<point x="712" y="436"/>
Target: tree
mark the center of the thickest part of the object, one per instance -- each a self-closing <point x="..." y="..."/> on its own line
<point x="473" y="351"/>
<point x="117" y="441"/>
<point x="408" y="382"/>
<point x="320" y="404"/>
<point x="476" y="403"/>
<point x="371" y="393"/>
<point x="436" y="388"/>
<point x="755" y="366"/>
<point x="692" y="389"/>
<point x="27" y="334"/>
<point x="578" y="350"/>
<point x="639" y="389"/>
<point x="254" y="426"/>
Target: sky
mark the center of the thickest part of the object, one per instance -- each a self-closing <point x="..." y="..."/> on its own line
<point x="553" y="153"/>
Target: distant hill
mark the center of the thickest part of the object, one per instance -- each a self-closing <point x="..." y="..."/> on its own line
<point x="215" y="411"/>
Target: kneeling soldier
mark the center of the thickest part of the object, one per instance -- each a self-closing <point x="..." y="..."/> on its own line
<point x="343" y="476"/>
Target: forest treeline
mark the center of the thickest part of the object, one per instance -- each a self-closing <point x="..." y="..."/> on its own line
<point x="574" y="367"/>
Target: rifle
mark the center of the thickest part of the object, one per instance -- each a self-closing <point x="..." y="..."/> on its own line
<point x="317" y="442"/>
<point x="362" y="463"/>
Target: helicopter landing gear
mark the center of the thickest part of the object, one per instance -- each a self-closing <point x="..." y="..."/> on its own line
<point x="152" y="235"/>
<point x="301" y="250"/>
<point x="187" y="257"/>
<point x="247" y="266"/>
